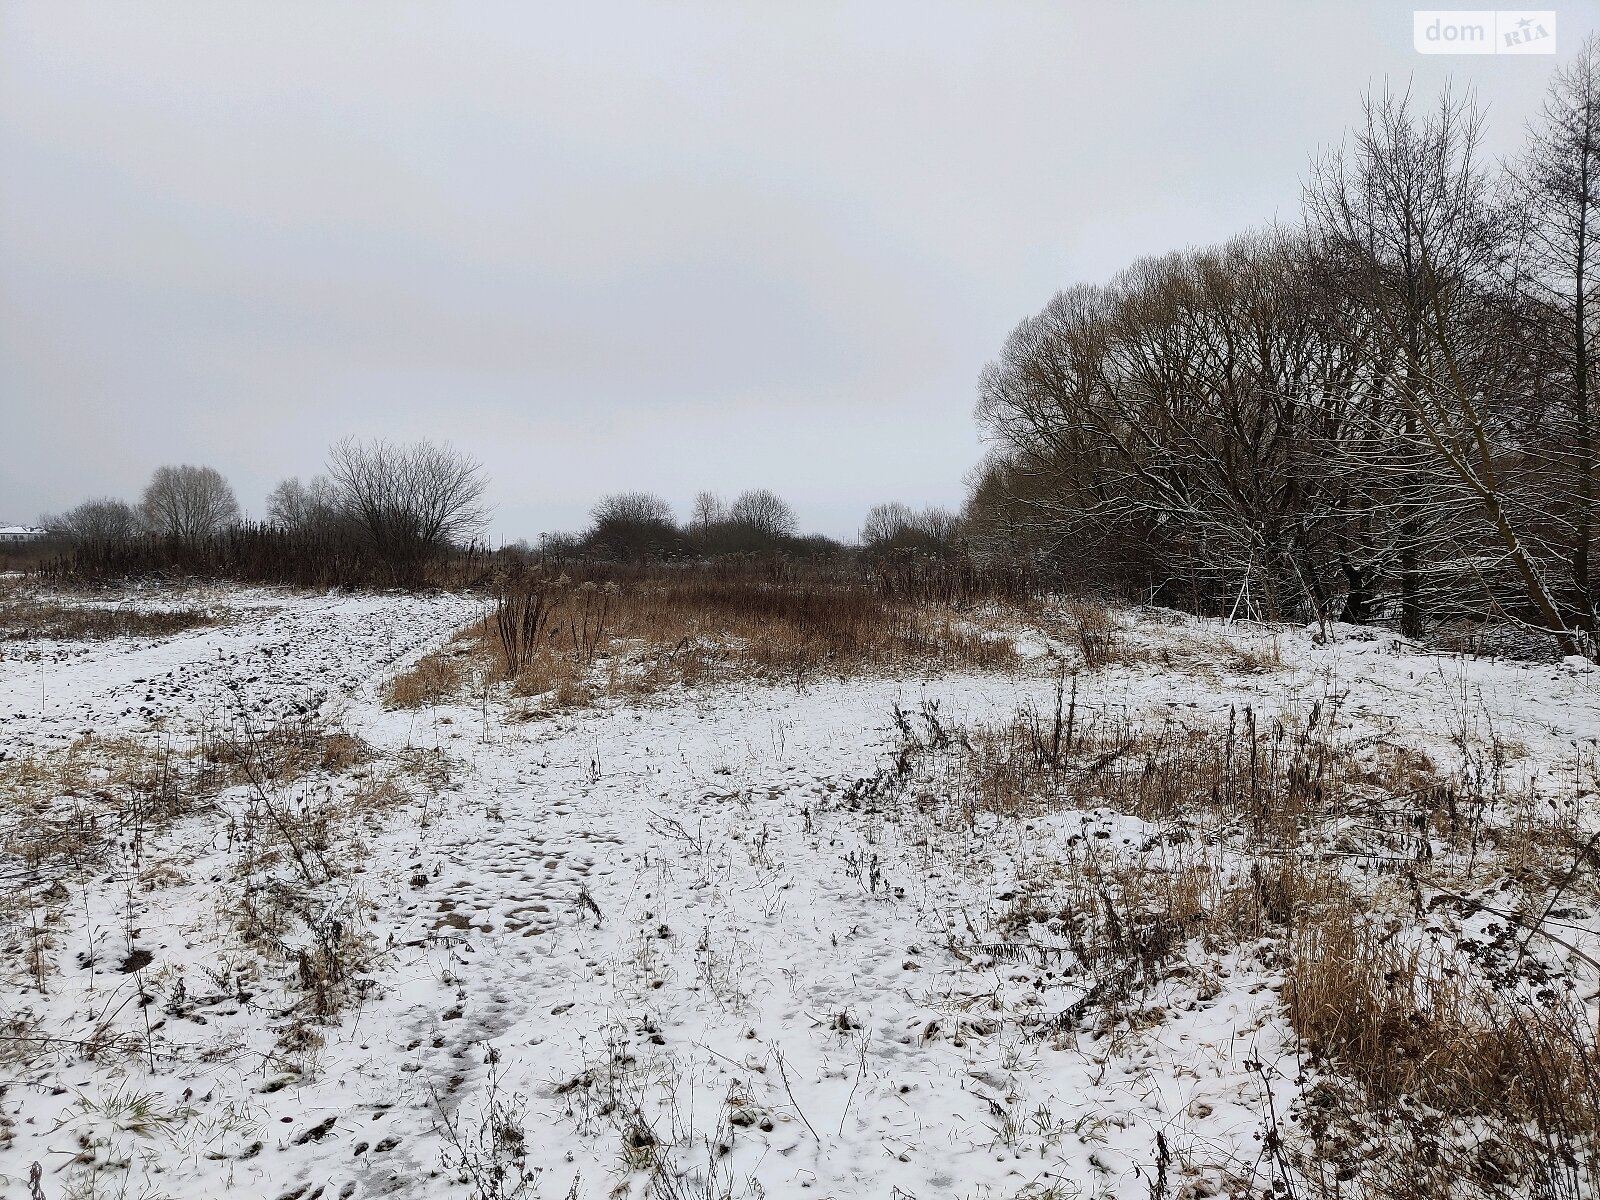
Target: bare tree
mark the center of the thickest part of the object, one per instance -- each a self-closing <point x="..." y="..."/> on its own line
<point x="1406" y="205"/>
<point x="885" y="522"/>
<point x="1162" y="425"/>
<point x="896" y="526"/>
<point x="708" y="510"/>
<point x="1557" y="190"/>
<point x="301" y="507"/>
<point x="634" y="526"/>
<point x="1395" y="400"/>
<point x="1411" y="206"/>
<point x="101" y="521"/>
<point x="644" y="507"/>
<point x="188" y="503"/>
<point x="408" y="501"/>
<point x="764" y="514"/>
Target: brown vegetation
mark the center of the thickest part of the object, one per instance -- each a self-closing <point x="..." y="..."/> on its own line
<point x="1433" y="1035"/>
<point x="26" y="617"/>
<point x="639" y="632"/>
<point x="1448" y="1047"/>
<point x="434" y="679"/>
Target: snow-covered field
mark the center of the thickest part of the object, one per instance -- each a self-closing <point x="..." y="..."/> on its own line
<point x="292" y="655"/>
<point x="672" y="949"/>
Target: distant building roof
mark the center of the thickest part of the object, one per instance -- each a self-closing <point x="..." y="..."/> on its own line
<point x="21" y="531"/>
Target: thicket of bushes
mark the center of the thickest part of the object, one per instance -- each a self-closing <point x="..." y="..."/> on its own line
<point x="251" y="552"/>
<point x="1384" y="411"/>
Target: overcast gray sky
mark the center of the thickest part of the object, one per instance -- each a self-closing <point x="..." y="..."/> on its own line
<point x="607" y="246"/>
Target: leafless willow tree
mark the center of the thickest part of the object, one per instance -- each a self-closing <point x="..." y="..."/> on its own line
<point x="408" y="501"/>
<point x="634" y="526"/>
<point x="102" y="521"/>
<point x="1385" y="411"/>
<point x="898" y="527"/>
<point x="188" y="503"/>
<point x="765" y="514"/>
<point x="885" y="521"/>
<point x="1169" y="424"/>
<point x="304" y="507"/>
<point x="644" y="507"/>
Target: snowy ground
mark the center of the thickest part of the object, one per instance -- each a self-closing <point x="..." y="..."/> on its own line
<point x="293" y="654"/>
<point x="670" y="935"/>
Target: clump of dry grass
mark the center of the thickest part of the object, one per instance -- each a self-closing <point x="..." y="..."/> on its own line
<point x="62" y="809"/>
<point x="70" y="814"/>
<point x="291" y="896"/>
<point x="1095" y="631"/>
<point x="290" y="810"/>
<point x="62" y="815"/>
<point x="1269" y="780"/>
<point x="281" y="753"/>
<point x="1411" y="1021"/>
<point x="1209" y="655"/>
<point x="436" y="678"/>
<point x="1433" y="1039"/>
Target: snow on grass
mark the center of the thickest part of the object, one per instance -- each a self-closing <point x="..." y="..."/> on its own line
<point x="294" y="653"/>
<point x="739" y="941"/>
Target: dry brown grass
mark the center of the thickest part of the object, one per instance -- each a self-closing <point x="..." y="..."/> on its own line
<point x="1434" y="1039"/>
<point x="1096" y="633"/>
<point x="436" y="678"/>
<point x="105" y="802"/>
<point x="1451" y="1046"/>
<point x="63" y="815"/>
<point x="280" y="754"/>
<point x="1409" y="1020"/>
<point x="62" y="812"/>
<point x="26" y="617"/>
<point x="571" y="641"/>
<point x="63" y="808"/>
<point x="1208" y="656"/>
<point x="1269" y="780"/>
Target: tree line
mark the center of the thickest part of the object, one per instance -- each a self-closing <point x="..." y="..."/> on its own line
<point x="642" y="527"/>
<point x="383" y="512"/>
<point x="1382" y="411"/>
